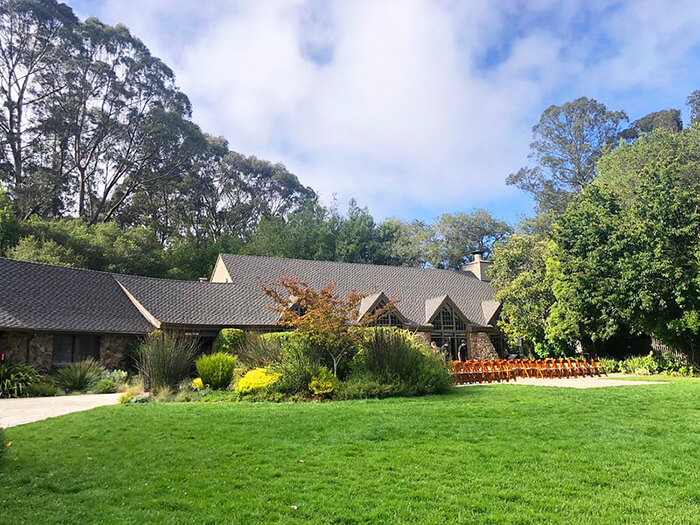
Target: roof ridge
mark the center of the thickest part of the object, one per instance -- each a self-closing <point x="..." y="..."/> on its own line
<point x="410" y="268"/>
<point x="115" y="275"/>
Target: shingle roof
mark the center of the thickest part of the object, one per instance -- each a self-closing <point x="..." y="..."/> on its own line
<point x="410" y="286"/>
<point x="193" y="303"/>
<point x="39" y="296"/>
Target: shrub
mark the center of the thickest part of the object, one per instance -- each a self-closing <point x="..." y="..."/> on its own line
<point x="216" y="370"/>
<point x="256" y="379"/>
<point x="610" y="365"/>
<point x="323" y="383"/>
<point x="165" y="359"/>
<point x="365" y="387"/>
<point x="230" y="340"/>
<point x="16" y="378"/>
<point x="260" y="350"/>
<point x="296" y="369"/>
<point x="119" y="377"/>
<point x="197" y="384"/>
<point x="105" y="386"/>
<point x="640" y="365"/>
<point x="394" y="358"/>
<point x="42" y="389"/>
<point x="79" y="377"/>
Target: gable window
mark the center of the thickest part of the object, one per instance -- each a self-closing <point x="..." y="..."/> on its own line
<point x="450" y="327"/>
<point x="74" y="348"/>
<point x="388" y="318"/>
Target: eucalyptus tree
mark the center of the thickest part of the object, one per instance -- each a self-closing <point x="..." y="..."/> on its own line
<point x="567" y="142"/>
<point x="35" y="40"/>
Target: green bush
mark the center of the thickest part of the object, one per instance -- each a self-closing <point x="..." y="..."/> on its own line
<point x="120" y="377"/>
<point x="42" y="389"/>
<point x="296" y="369"/>
<point x="216" y="370"/>
<point x="15" y="379"/>
<point x="640" y="365"/>
<point x="394" y="358"/>
<point x="610" y="365"/>
<point x="323" y="383"/>
<point x="230" y="340"/>
<point x="105" y="386"/>
<point x="79" y="377"/>
<point x="257" y="379"/>
<point x="165" y="359"/>
<point x="366" y="387"/>
<point x="259" y="350"/>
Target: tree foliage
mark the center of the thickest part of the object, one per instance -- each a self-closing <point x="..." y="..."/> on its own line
<point x="321" y="315"/>
<point x="628" y="252"/>
<point x="567" y="142"/>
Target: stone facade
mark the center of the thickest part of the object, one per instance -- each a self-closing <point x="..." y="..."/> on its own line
<point x="113" y="350"/>
<point x="480" y="346"/>
<point x="37" y="349"/>
<point x="23" y="347"/>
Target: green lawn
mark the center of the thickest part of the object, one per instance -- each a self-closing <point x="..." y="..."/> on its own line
<point x="503" y="454"/>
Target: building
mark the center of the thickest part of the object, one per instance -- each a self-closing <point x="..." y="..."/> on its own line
<point x="53" y="315"/>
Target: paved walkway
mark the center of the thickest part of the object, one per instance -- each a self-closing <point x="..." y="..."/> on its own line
<point x="579" y="382"/>
<point x="15" y="412"/>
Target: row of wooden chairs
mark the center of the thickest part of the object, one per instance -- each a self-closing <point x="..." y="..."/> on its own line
<point x="496" y="370"/>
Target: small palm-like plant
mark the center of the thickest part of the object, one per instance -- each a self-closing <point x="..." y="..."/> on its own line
<point x="78" y="377"/>
<point x="15" y="379"/>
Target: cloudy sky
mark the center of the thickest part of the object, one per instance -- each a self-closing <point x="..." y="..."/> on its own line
<point x="414" y="107"/>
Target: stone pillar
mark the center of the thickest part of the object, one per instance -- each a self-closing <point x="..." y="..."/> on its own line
<point x="113" y="350"/>
<point x="41" y="351"/>
<point x="480" y="346"/>
<point x="14" y="345"/>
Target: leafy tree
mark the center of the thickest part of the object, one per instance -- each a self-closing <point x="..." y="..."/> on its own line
<point x="628" y="252"/>
<point x="321" y="315"/>
<point x="522" y="285"/>
<point x="32" y="248"/>
<point x="567" y="142"/>
<point x="693" y="103"/>
<point x="308" y="233"/>
<point x="8" y="222"/>
<point x="411" y="243"/>
<point x="34" y="36"/>
<point x="191" y="257"/>
<point x="103" y="246"/>
<point x="666" y="119"/>
<point x="462" y="233"/>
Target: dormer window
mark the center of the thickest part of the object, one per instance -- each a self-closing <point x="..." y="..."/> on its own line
<point x="388" y="318"/>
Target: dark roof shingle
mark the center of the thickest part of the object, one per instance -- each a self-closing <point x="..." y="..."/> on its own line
<point x="411" y="287"/>
<point x="35" y="296"/>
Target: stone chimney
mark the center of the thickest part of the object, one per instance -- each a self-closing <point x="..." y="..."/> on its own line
<point x="478" y="266"/>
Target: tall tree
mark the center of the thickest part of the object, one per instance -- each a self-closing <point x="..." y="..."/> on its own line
<point x="460" y="234"/>
<point x="666" y="119"/>
<point x="567" y="142"/>
<point x="34" y="38"/>
<point x="628" y="250"/>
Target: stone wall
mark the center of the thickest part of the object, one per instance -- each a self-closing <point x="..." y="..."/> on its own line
<point x="113" y="350"/>
<point x="23" y="347"/>
<point x="480" y="346"/>
<point x="15" y="346"/>
<point x="37" y="349"/>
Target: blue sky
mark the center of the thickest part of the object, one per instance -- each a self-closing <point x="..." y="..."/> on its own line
<point x="414" y="107"/>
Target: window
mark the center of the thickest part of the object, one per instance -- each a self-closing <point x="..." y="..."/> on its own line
<point x="74" y="348"/>
<point x="388" y="319"/>
<point x="450" y="327"/>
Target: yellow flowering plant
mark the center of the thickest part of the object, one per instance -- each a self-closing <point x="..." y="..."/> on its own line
<point x="197" y="384"/>
<point x="256" y="379"/>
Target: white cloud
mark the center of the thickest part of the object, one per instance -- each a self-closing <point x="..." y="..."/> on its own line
<point x="400" y="109"/>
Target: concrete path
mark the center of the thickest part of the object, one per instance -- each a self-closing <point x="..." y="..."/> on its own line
<point x="578" y="382"/>
<point x="15" y="412"/>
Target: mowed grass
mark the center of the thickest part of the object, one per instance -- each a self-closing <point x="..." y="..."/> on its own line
<point x="487" y="454"/>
